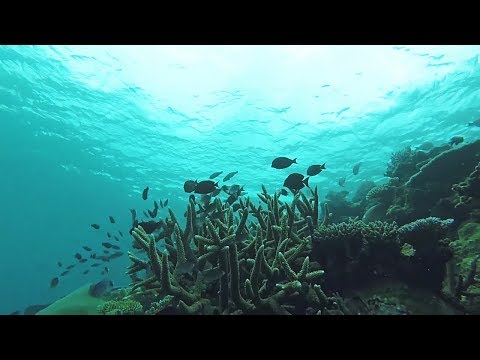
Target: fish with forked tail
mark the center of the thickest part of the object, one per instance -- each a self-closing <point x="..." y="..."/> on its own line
<point x="283" y="162"/>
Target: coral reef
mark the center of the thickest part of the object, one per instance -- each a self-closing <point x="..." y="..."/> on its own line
<point x="467" y="196"/>
<point x="341" y="208"/>
<point x="120" y="307"/>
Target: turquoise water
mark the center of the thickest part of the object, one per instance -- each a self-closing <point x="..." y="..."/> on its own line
<point x="83" y="129"/>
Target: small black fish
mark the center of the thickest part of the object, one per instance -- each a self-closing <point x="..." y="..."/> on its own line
<point x="116" y="238"/>
<point x="215" y="174"/>
<point x="189" y="186"/>
<point x="112" y="220"/>
<point x="283" y="162"/>
<point x="121" y="234"/>
<point x="103" y="258"/>
<point x="230" y="175"/>
<point x="134" y="215"/>
<point x="192" y="198"/>
<point x="205" y="199"/>
<point x="59" y="264"/>
<point x="456" y="140"/>
<point x="315" y="169"/>
<point x="341" y="181"/>
<point x="54" y="282"/>
<point x="216" y="192"/>
<point x="145" y="193"/>
<point x="235" y="190"/>
<point x="356" y="169"/>
<point x="206" y="187"/>
<point x="64" y="273"/>
<point x="93" y="256"/>
<point x="82" y="261"/>
<point x="155" y="204"/>
<point x="107" y="245"/>
<point x="87" y="248"/>
<point x="109" y="235"/>
<point x="283" y="192"/>
<point x="115" y="247"/>
<point x="78" y="256"/>
<point x="295" y="182"/>
<point x="100" y="288"/>
<point x="69" y="267"/>
<point x="235" y="207"/>
<point x="474" y="123"/>
<point x="116" y="254"/>
<point x="165" y="203"/>
<point x="106" y="252"/>
<point x="152" y="214"/>
<point x="148" y="226"/>
<point x="95" y="265"/>
<point x="95" y="226"/>
<point x="231" y="199"/>
<point x="106" y="269"/>
<point x="145" y="213"/>
<point x="85" y="272"/>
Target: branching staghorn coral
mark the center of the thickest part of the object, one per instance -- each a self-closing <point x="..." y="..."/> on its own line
<point x="120" y="307"/>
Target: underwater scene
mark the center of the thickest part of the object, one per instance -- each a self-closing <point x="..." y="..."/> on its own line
<point x="240" y="180"/>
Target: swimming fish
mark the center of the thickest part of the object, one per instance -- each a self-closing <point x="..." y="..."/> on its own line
<point x="230" y="175"/>
<point x="87" y="248"/>
<point x="82" y="261"/>
<point x="341" y="181"/>
<point x="134" y="215"/>
<point x="283" y="192"/>
<point x="165" y="203"/>
<point x="109" y="235"/>
<point x="456" y="140"/>
<point x="59" y="264"/>
<point x="356" y="169"/>
<point x="78" y="256"/>
<point x="189" y="186"/>
<point x="116" y="238"/>
<point x="315" y="169"/>
<point x="95" y="226"/>
<point x="107" y="245"/>
<point x="236" y="206"/>
<point x="64" y="273"/>
<point x="54" y="282"/>
<point x="95" y="265"/>
<point x="112" y="220"/>
<point x="215" y="174"/>
<point x="69" y="267"/>
<point x="155" y="204"/>
<point x="145" y="193"/>
<point x="474" y="123"/>
<point x="295" y="182"/>
<point x="206" y="187"/>
<point x="121" y="234"/>
<point x="100" y="288"/>
<point x="86" y="272"/>
<point x="216" y="192"/>
<point x="283" y="162"/>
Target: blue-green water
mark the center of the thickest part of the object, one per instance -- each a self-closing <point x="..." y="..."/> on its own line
<point x="83" y="129"/>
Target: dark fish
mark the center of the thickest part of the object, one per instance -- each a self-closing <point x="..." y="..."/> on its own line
<point x="103" y="258"/>
<point x="145" y="213"/>
<point x="100" y="288"/>
<point x="148" y="226"/>
<point x="295" y="182"/>
<point x="93" y="256"/>
<point x="121" y="234"/>
<point x="189" y="186"/>
<point x="474" y="123"/>
<point x="64" y="273"/>
<point x="192" y="198"/>
<point x="283" y="162"/>
<point x="87" y="248"/>
<point x="212" y="274"/>
<point x="106" y="252"/>
<point x="235" y="207"/>
<point x="215" y="174"/>
<point x="95" y="265"/>
<point x="69" y="267"/>
<point x="341" y="181"/>
<point x="112" y="220"/>
<point x="235" y="190"/>
<point x="82" y="260"/>
<point x="85" y="272"/>
<point x="116" y="254"/>
<point x="95" y="226"/>
<point x="205" y="199"/>
<point x="116" y="238"/>
<point x="106" y="269"/>
<point x="109" y="235"/>
<point x="54" y="282"/>
<point x="231" y="199"/>
<point x="59" y="264"/>
<point x="315" y="169"/>
<point x="456" y="140"/>
<point x="206" y="187"/>
<point x="134" y="215"/>
<point x="230" y="175"/>
<point x="185" y="268"/>
<point x="145" y="193"/>
<point x="161" y="204"/>
<point x="17" y="312"/>
<point x="33" y="309"/>
<point x="78" y="256"/>
<point x="151" y="213"/>
<point x="165" y="203"/>
<point x="356" y="168"/>
<point x="115" y="247"/>
<point x="107" y="245"/>
<point x="216" y="192"/>
<point x="283" y="192"/>
<point x="155" y="204"/>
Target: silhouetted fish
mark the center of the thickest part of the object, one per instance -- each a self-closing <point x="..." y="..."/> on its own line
<point x="93" y="256"/>
<point x="189" y="186"/>
<point x="95" y="265"/>
<point x="17" y="312"/>
<point x="87" y="248"/>
<point x="283" y="162"/>
<point x="283" y="192"/>
<point x="69" y="267"/>
<point x="145" y="213"/>
<point x="474" y="123"/>
<point x="82" y="260"/>
<point x="116" y="238"/>
<point x="64" y="273"/>
<point x="145" y="193"/>
<point x="106" y="252"/>
<point x="54" y="282"/>
<point x="165" y="203"/>
<point x="235" y="207"/>
<point x="106" y="269"/>
<point x="101" y="288"/>
<point x="295" y="182"/>
<point x="95" y="226"/>
<point x="148" y="226"/>
<point x="341" y="181"/>
<point x="109" y="235"/>
<point x="121" y="234"/>
<point x="215" y="174"/>
<point x="115" y="247"/>
<point x="356" y="169"/>
<point x="134" y="215"/>
<point x="59" y="264"/>
<point x="456" y="140"/>
<point x="206" y="187"/>
<point x="112" y="220"/>
<point x="116" y="255"/>
<point x="155" y="204"/>
<point x="107" y="245"/>
<point x="151" y="213"/>
<point x="216" y="192"/>
<point x="85" y="272"/>
<point x="315" y="169"/>
<point x="230" y="175"/>
<point x="78" y="256"/>
<point x="161" y="204"/>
